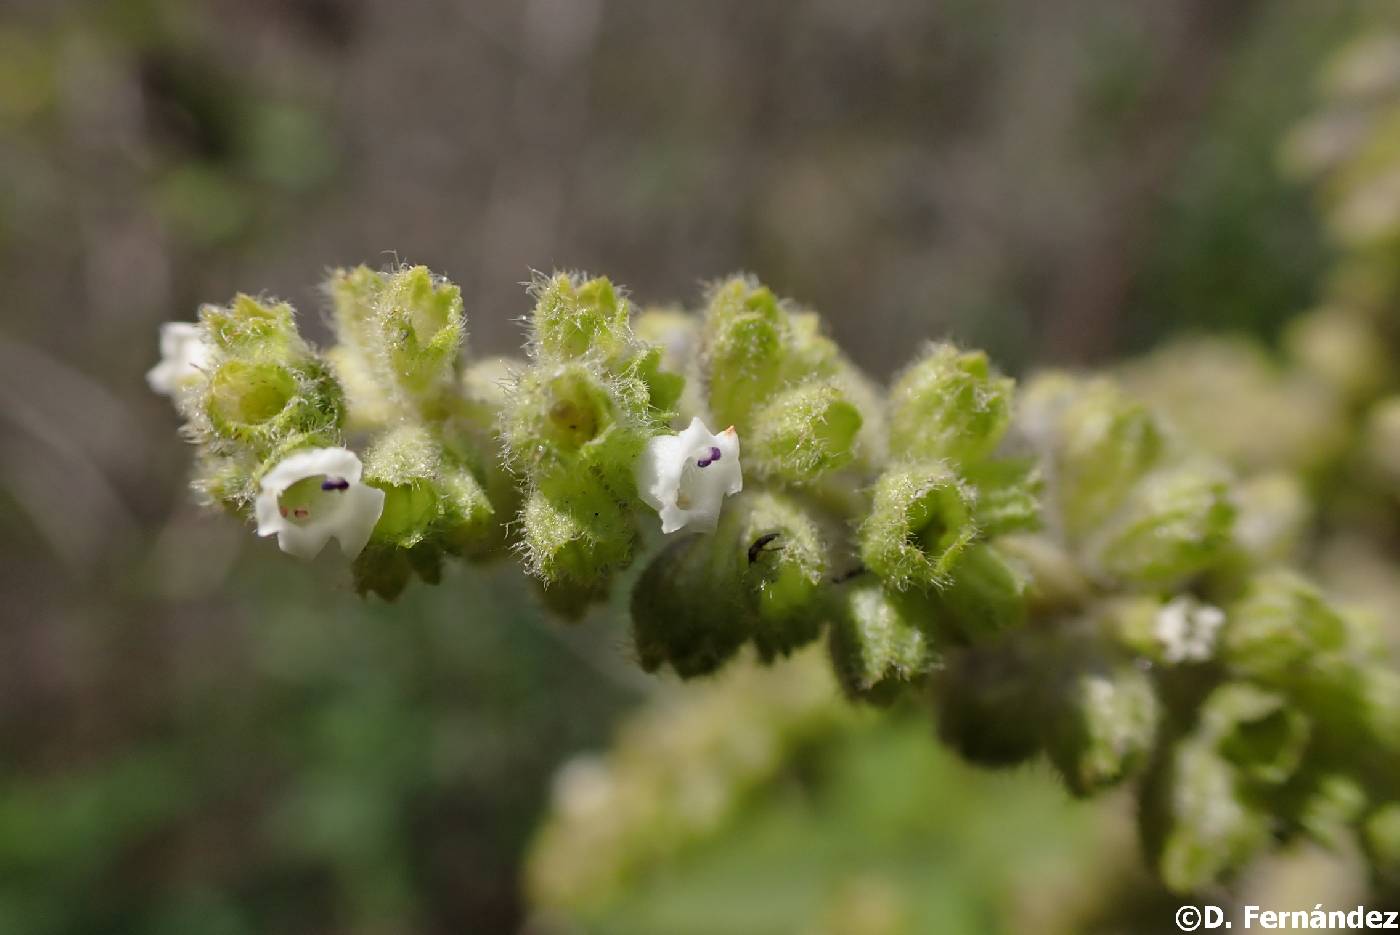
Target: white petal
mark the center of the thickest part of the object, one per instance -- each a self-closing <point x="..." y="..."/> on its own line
<point x="659" y="470"/>
<point x="184" y="358"/>
<point x="305" y="542"/>
<point x="364" y="506"/>
<point x="332" y="462"/>
<point x="267" y="512"/>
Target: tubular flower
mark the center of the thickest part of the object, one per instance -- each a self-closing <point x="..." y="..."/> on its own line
<point x="316" y="495"/>
<point x="686" y="477"/>
<point x="184" y="358"/>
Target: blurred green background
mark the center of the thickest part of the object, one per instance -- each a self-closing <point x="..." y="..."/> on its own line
<point x="197" y="736"/>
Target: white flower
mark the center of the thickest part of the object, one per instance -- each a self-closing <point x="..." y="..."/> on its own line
<point x="1186" y="628"/>
<point x="315" y="495"/>
<point x="686" y="477"/>
<point x="184" y="358"/>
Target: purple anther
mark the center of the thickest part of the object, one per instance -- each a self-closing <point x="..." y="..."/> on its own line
<point x="338" y="483"/>
<point x="707" y="461"/>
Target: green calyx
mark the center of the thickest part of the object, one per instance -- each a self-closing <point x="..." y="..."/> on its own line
<point x="758" y="578"/>
<point x="949" y="405"/>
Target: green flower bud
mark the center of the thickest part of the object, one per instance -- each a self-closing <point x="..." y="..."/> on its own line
<point x="1256" y="731"/>
<point x="561" y="417"/>
<point x="367" y="408"/>
<point x="1102" y="726"/>
<point x="243" y="396"/>
<point x="1008" y="495"/>
<point x="873" y="439"/>
<point x="677" y="335"/>
<point x="432" y="504"/>
<point x="987" y="702"/>
<point x="780" y="558"/>
<point x="745" y="352"/>
<point x="1280" y="624"/>
<point x="882" y="641"/>
<point x="573" y="530"/>
<point x="920" y="523"/>
<point x="405" y="464"/>
<point x="1229" y="397"/>
<point x="467" y="517"/>
<point x="810" y="353"/>
<point x="756" y="578"/>
<point x="1273" y="516"/>
<point x="469" y="439"/>
<point x="949" y="404"/>
<point x="574" y="316"/>
<point x="263" y="403"/>
<point x="676" y="332"/>
<point x="422" y="326"/>
<point x="354" y="295"/>
<point x="802" y="433"/>
<point x="404" y="328"/>
<point x="1197" y="825"/>
<point x="248" y="328"/>
<point x="570" y="600"/>
<point x="382" y="569"/>
<point x="1102" y="443"/>
<point x="1054" y="581"/>
<point x="1331" y="809"/>
<point x="386" y="569"/>
<point x="680" y="617"/>
<point x="1382" y="441"/>
<point x="984" y="595"/>
<point x="664" y="388"/>
<point x="225" y="480"/>
<point x="1341" y="348"/>
<point x="1176" y="523"/>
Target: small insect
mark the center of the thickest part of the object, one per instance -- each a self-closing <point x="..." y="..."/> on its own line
<point x="759" y="545"/>
<point x="335" y="483"/>
<point x="711" y="458"/>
